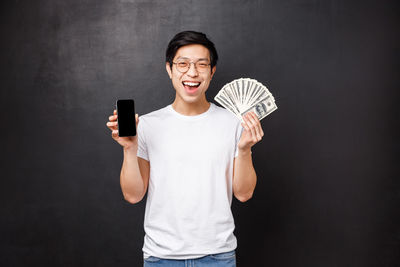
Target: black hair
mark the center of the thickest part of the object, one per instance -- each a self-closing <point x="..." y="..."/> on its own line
<point x="187" y="38"/>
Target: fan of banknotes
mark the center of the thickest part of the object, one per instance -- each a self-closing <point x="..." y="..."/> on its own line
<point x="244" y="95"/>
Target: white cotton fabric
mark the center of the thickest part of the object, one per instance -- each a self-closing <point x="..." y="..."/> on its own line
<point x="188" y="207"/>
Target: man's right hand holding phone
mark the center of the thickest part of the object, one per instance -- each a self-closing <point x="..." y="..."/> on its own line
<point x="127" y="142"/>
<point x="135" y="171"/>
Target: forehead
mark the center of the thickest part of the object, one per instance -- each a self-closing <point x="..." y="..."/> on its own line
<point x="193" y="51"/>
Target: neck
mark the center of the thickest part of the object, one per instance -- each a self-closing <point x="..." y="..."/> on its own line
<point x="191" y="109"/>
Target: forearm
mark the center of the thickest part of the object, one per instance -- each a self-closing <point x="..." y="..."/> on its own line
<point x="132" y="185"/>
<point x="245" y="178"/>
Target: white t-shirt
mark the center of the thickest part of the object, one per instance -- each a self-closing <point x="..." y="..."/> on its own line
<point x="188" y="207"/>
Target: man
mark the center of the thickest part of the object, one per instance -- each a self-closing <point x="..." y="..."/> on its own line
<point x="191" y="155"/>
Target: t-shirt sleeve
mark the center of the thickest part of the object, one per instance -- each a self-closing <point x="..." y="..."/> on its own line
<point x="239" y="130"/>
<point x="142" y="146"/>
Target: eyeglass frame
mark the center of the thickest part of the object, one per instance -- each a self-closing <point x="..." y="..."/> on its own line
<point x="190" y="64"/>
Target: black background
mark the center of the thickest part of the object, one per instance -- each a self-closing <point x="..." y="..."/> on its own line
<point x="328" y="187"/>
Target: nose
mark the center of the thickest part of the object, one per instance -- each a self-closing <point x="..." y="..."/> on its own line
<point x="192" y="71"/>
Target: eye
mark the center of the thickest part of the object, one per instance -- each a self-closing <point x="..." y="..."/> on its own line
<point x="182" y="64"/>
<point x="202" y="65"/>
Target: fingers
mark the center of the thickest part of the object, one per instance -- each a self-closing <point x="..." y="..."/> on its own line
<point x="253" y="124"/>
<point x="113" y="124"/>
<point x="137" y="119"/>
<point x="258" y="127"/>
<point x="114" y="134"/>
<point x="113" y="117"/>
<point x="250" y="127"/>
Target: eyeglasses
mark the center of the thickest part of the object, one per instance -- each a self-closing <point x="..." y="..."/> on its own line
<point x="184" y="65"/>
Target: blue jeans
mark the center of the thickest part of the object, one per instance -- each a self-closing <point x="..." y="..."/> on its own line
<point x="225" y="259"/>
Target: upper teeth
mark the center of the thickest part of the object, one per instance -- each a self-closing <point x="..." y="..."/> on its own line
<point x="190" y="84"/>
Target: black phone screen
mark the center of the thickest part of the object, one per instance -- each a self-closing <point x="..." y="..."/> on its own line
<point x="126" y="117"/>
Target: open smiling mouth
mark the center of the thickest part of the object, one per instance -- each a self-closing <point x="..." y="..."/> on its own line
<point x="191" y="87"/>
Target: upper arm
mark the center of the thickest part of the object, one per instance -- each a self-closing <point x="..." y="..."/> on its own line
<point x="233" y="178"/>
<point x="144" y="167"/>
<point x="235" y="187"/>
<point x="233" y="172"/>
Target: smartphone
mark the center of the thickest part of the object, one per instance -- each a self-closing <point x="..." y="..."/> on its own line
<point x="126" y="117"/>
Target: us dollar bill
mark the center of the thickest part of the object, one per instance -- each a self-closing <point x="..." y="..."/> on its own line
<point x="262" y="108"/>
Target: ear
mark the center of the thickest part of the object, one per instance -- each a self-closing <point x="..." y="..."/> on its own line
<point x="169" y="70"/>
<point x="213" y="71"/>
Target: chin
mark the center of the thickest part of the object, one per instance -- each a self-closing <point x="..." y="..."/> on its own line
<point x="190" y="99"/>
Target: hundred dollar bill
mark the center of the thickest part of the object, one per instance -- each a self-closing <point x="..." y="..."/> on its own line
<point x="263" y="108"/>
<point x="226" y="103"/>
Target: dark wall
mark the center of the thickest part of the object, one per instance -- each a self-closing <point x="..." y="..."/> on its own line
<point x="328" y="189"/>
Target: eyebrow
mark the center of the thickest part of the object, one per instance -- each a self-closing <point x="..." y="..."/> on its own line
<point x="197" y="59"/>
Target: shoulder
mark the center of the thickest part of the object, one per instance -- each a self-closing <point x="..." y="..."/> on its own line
<point x="225" y="115"/>
<point x="227" y="121"/>
<point x="149" y="122"/>
<point x="159" y="114"/>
